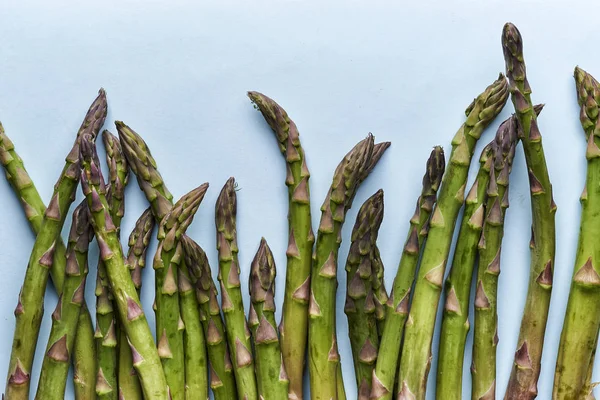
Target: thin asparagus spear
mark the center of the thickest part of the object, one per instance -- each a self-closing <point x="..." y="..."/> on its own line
<point x="360" y="303"/>
<point x="55" y="367"/>
<point x="397" y="305"/>
<point x="301" y="239"/>
<point x="222" y="381"/>
<point x="380" y="295"/>
<point x="140" y="340"/>
<point x="485" y="338"/>
<point x="238" y="335"/>
<point x="84" y="357"/>
<point x="580" y="329"/>
<point x="527" y="361"/>
<point x="455" y="322"/>
<point x="139" y="239"/>
<point x="30" y="306"/>
<point x="416" y="352"/>
<point x="324" y="359"/>
<point x="271" y="376"/>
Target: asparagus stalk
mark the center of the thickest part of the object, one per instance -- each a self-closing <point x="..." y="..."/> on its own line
<point x="139" y="239"/>
<point x="580" y="329"/>
<point x="527" y="361"/>
<point x="380" y="295"/>
<point x="55" y="367"/>
<point x="30" y="306"/>
<point x="145" y="356"/>
<point x="106" y="335"/>
<point x="271" y="376"/>
<point x="360" y="302"/>
<point x="397" y="305"/>
<point x="238" y="335"/>
<point x="416" y="352"/>
<point x="325" y="372"/>
<point x="301" y="240"/>
<point x="485" y="339"/>
<point x="222" y="381"/>
<point x="167" y="263"/>
<point x="455" y="322"/>
<point x="84" y="357"/>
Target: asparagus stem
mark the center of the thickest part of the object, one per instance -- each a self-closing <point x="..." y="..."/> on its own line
<point x="301" y="239"/>
<point x="145" y="356"/>
<point x="485" y="338"/>
<point x="30" y="306"/>
<point x="580" y="329"/>
<point x="222" y="381"/>
<point x="238" y="335"/>
<point x="527" y="361"/>
<point x="55" y="367"/>
<point x="139" y="239"/>
<point x="325" y="378"/>
<point x="380" y="296"/>
<point x="271" y="376"/>
<point x="416" y="353"/>
<point x="84" y="357"/>
<point x="360" y="302"/>
<point x="455" y="322"/>
<point x="397" y="305"/>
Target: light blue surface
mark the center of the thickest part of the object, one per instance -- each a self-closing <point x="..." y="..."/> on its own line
<point x="177" y="72"/>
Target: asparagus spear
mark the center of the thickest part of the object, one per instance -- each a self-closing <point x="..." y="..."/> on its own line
<point x="139" y="239"/>
<point x="580" y="328"/>
<point x="55" y="367"/>
<point x="380" y="295"/>
<point x="325" y="372"/>
<point x="416" y="352"/>
<point x="301" y="240"/>
<point x="485" y="339"/>
<point x="527" y="361"/>
<point x="107" y="344"/>
<point x="271" y="376"/>
<point x="30" y="306"/>
<point x="360" y="302"/>
<point x="84" y="357"/>
<point x="140" y="340"/>
<point x="455" y="322"/>
<point x="397" y="305"/>
<point x="222" y="381"/>
<point x="238" y="335"/>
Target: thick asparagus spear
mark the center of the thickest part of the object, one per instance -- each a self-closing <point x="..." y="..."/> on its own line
<point x="360" y="302"/>
<point x="55" y="367"/>
<point x="455" y="322"/>
<point x="294" y="320"/>
<point x="139" y="239"/>
<point x="416" y="352"/>
<point x="485" y="338"/>
<point x="30" y="306"/>
<point x="145" y="356"/>
<point x="397" y="305"/>
<point x="527" y="361"/>
<point x="323" y="355"/>
<point x="238" y="335"/>
<point x="222" y="381"/>
<point x="271" y="376"/>
<point x="84" y="357"/>
<point x="582" y="321"/>
<point x="380" y="295"/>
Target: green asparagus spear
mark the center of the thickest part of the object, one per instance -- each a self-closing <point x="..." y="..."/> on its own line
<point x="139" y="239"/>
<point x="397" y="305"/>
<point x="416" y="352"/>
<point x="360" y="302"/>
<point x="84" y="357"/>
<point x="222" y="381"/>
<point x="238" y="335"/>
<point x="580" y="328"/>
<point x="145" y="356"/>
<point x="380" y="295"/>
<point x="301" y="239"/>
<point x="30" y="306"/>
<point x="527" y="361"/>
<point x="55" y="367"/>
<point x="324" y="359"/>
<point x="271" y="376"/>
<point x="455" y="322"/>
<point x="485" y="338"/>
